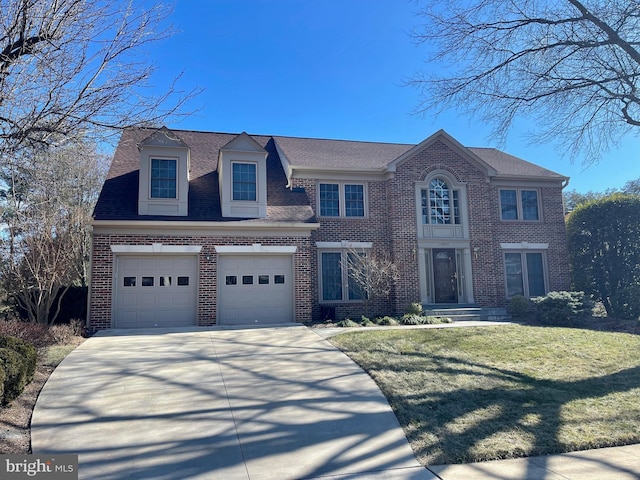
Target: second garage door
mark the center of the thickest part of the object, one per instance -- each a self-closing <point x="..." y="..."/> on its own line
<point x="255" y="289"/>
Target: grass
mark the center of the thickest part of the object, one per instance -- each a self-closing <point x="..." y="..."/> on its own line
<point x="473" y="394"/>
<point x="52" y="355"/>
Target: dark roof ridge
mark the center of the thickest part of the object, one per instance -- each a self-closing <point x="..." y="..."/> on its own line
<point x="176" y="130"/>
<point x="345" y="140"/>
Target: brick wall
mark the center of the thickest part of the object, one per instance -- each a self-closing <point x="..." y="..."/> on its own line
<point x="390" y="225"/>
<point x="392" y="221"/>
<point x="100" y="300"/>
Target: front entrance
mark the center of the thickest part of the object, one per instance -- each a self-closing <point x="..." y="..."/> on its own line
<point x="445" y="276"/>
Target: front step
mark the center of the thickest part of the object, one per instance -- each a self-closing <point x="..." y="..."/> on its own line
<point x="459" y="313"/>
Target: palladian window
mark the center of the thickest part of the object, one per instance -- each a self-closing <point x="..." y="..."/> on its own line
<point x="440" y="204"/>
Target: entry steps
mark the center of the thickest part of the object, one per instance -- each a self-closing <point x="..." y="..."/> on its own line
<point x="462" y="312"/>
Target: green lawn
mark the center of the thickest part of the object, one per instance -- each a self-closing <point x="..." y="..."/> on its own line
<point x="472" y="394"/>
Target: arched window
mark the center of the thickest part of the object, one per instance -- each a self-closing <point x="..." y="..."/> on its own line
<point x="440" y="204"/>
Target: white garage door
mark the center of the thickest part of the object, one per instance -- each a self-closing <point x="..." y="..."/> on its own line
<point x="155" y="291"/>
<point x="255" y="289"/>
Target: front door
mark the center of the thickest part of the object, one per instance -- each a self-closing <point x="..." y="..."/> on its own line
<point x="445" y="277"/>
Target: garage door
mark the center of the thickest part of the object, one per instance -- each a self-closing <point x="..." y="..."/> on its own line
<point x="255" y="289"/>
<point x="155" y="291"/>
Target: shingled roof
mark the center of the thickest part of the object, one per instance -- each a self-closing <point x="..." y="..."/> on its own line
<point x="119" y="197"/>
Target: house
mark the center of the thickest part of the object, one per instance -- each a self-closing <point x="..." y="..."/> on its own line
<point x="202" y="228"/>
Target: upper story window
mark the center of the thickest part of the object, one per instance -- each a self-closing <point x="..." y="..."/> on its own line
<point x="519" y="204"/>
<point x="329" y="200"/>
<point x="440" y="204"/>
<point x="244" y="181"/>
<point x="341" y="199"/>
<point x="164" y="178"/>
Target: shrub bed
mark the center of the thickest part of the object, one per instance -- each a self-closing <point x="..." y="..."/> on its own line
<point x="27" y="350"/>
<point x="18" y="360"/>
<point x="16" y="374"/>
<point x="560" y="307"/>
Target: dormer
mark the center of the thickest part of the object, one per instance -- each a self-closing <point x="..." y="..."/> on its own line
<point x="242" y="173"/>
<point x="164" y="175"/>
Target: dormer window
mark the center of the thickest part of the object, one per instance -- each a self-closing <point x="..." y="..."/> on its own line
<point x="163" y="178"/>
<point x="244" y="181"/>
<point x="242" y="177"/>
<point x="164" y="175"/>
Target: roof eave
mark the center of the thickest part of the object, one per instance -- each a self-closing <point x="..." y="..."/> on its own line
<point x="324" y="173"/>
<point x="560" y="179"/>
<point x="236" y="229"/>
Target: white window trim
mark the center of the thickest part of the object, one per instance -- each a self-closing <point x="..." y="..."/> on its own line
<point x="343" y="244"/>
<point x="177" y="162"/>
<point x="343" y="248"/>
<point x="341" y="197"/>
<point x="524" y="246"/>
<point x="255" y="248"/>
<point x="525" y="276"/>
<point x="257" y="182"/>
<point x="156" y="248"/>
<point x="518" y="191"/>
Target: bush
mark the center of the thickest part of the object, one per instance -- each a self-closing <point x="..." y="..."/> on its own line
<point x="625" y="302"/>
<point x="387" y="321"/>
<point x="16" y="374"/>
<point x="431" y="320"/>
<point x="34" y="333"/>
<point x="26" y="350"/>
<point x="366" y="322"/>
<point x="414" y="308"/>
<point x="560" y="307"/>
<point x="64" y="333"/>
<point x="519" y="306"/>
<point x="346" y="323"/>
<point x="412" y="319"/>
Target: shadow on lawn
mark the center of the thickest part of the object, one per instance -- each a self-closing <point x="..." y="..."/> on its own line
<point x="508" y="399"/>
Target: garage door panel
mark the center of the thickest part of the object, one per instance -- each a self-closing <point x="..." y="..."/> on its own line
<point x="255" y="289"/>
<point x="155" y="291"/>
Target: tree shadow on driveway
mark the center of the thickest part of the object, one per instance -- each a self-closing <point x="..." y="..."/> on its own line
<point x="255" y="403"/>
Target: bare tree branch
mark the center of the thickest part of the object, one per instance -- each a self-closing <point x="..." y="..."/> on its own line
<point x="46" y="202"/>
<point x="73" y="67"/>
<point x="571" y="66"/>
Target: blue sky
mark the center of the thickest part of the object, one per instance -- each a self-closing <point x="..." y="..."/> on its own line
<point x="331" y="69"/>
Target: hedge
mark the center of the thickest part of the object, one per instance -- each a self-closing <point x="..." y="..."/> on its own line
<point x="16" y="370"/>
<point x="18" y="360"/>
<point x="26" y="349"/>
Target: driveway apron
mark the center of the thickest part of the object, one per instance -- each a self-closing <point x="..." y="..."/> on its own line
<point x="214" y="403"/>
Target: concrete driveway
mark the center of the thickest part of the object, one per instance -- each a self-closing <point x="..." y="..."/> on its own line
<point x="214" y="403"/>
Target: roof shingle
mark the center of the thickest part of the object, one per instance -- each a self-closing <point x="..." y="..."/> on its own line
<point x="119" y="197"/>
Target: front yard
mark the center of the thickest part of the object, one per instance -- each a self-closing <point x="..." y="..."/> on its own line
<point x="473" y="394"/>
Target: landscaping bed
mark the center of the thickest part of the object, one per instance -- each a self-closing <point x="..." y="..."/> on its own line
<point x="53" y="346"/>
<point x="473" y="394"/>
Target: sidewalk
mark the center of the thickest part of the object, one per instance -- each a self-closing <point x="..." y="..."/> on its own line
<point x="616" y="463"/>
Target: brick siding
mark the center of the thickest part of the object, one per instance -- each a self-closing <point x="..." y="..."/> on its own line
<point x="391" y="225"/>
<point x="103" y="260"/>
